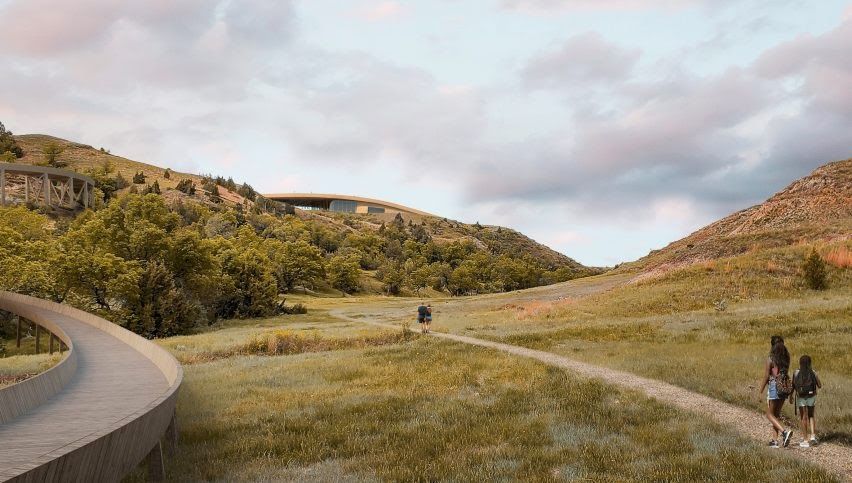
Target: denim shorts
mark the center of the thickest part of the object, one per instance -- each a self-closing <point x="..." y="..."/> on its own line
<point x="772" y="394"/>
<point x="806" y="401"/>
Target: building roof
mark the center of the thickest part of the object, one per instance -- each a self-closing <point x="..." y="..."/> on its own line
<point x="330" y="197"/>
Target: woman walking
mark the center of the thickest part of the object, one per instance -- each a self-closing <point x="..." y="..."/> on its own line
<point x="779" y="388"/>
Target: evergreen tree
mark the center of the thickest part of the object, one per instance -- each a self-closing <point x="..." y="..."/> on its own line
<point x="8" y="144"/>
<point x="814" y="271"/>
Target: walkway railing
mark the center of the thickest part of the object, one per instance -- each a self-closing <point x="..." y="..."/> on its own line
<point x="45" y="186"/>
<point x="111" y="451"/>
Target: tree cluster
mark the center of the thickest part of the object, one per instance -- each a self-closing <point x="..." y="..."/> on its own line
<point x="162" y="268"/>
<point x="9" y="149"/>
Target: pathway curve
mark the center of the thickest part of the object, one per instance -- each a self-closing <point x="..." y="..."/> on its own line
<point x="833" y="457"/>
<point x="105" y="416"/>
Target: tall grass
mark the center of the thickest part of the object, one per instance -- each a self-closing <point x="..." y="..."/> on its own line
<point x="428" y="411"/>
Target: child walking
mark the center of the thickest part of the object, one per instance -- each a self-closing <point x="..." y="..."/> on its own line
<point x="805" y="383"/>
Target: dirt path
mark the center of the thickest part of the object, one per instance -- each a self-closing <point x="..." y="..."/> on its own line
<point x="833" y="457"/>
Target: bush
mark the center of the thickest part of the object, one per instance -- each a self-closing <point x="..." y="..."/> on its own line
<point x="343" y="273"/>
<point x="9" y="145"/>
<point x="186" y="186"/>
<point x="814" y="271"/>
<point x="51" y="153"/>
<point x="167" y="174"/>
<point x="139" y="178"/>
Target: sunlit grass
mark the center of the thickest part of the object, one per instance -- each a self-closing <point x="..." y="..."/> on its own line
<point x="17" y="368"/>
<point x="432" y="410"/>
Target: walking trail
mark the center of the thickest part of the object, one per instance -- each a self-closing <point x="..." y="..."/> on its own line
<point x="833" y="457"/>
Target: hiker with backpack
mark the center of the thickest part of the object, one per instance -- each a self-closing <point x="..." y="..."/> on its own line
<point x="780" y="387"/>
<point x="422" y="311"/>
<point x="805" y="383"/>
<point x="428" y="322"/>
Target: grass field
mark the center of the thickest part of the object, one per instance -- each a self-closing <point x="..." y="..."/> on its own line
<point x="431" y="410"/>
<point x="677" y="329"/>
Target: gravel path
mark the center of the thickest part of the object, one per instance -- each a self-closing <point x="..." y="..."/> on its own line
<point x="835" y="458"/>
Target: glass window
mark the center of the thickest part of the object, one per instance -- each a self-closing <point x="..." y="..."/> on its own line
<point x="375" y="209"/>
<point x="343" y="206"/>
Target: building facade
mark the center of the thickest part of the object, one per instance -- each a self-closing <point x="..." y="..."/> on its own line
<point x="341" y="203"/>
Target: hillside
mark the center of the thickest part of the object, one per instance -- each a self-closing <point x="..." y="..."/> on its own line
<point x="336" y="233"/>
<point x="816" y="208"/>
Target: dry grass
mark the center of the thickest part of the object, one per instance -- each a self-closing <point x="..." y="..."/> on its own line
<point x="15" y="369"/>
<point x="427" y="410"/>
<point x="840" y="256"/>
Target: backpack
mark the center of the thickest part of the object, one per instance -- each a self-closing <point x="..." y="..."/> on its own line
<point x="421" y="311"/>
<point x="783" y="385"/>
<point x="805" y="383"/>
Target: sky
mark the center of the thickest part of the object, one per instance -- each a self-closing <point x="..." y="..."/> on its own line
<point x="601" y="128"/>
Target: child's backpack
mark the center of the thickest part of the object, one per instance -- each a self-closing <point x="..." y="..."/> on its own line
<point x="805" y="383"/>
<point x="783" y="385"/>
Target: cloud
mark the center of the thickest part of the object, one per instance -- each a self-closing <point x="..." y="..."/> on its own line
<point x="534" y="6"/>
<point x="583" y="59"/>
<point x="53" y="27"/>
<point x="380" y="11"/>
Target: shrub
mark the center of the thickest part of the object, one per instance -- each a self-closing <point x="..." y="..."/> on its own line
<point x="343" y="273"/>
<point x="139" y="178"/>
<point x="9" y="145"/>
<point x="51" y="153"/>
<point x="186" y="186"/>
<point x="814" y="271"/>
<point x="121" y="182"/>
<point x="167" y="174"/>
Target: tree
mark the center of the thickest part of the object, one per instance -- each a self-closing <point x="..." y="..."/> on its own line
<point x="249" y="284"/>
<point x="154" y="188"/>
<point x="167" y="174"/>
<point x="186" y="186"/>
<point x="9" y="145"/>
<point x="296" y="264"/>
<point x="158" y="308"/>
<point x="391" y="275"/>
<point x="814" y="271"/>
<point x="343" y="273"/>
<point x="51" y="153"/>
<point x="139" y="178"/>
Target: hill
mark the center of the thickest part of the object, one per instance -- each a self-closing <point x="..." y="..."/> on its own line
<point x="816" y="208"/>
<point x="395" y="254"/>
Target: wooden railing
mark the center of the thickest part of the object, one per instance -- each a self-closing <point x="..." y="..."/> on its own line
<point x="108" y="453"/>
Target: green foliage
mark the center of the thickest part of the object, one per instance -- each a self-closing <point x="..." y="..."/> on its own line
<point x="9" y="148"/>
<point x="814" y="271"/>
<point x="297" y="263"/>
<point x="343" y="272"/>
<point x="186" y="186"/>
<point x="51" y="153"/>
<point x="139" y="178"/>
<point x="154" y="188"/>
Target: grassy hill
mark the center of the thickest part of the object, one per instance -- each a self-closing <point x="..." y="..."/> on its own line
<point x="816" y="208"/>
<point x="327" y="230"/>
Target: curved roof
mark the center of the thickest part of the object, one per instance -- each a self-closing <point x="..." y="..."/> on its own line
<point x="359" y="199"/>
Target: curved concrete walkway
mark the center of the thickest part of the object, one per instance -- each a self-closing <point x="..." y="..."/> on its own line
<point x="115" y="386"/>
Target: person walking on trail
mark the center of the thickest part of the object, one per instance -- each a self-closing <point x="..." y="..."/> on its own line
<point x="422" y="311"/>
<point x="779" y="388"/>
<point x="428" y="322"/>
<point x="805" y="384"/>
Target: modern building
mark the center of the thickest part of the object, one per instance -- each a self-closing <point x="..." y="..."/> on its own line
<point x="342" y="203"/>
